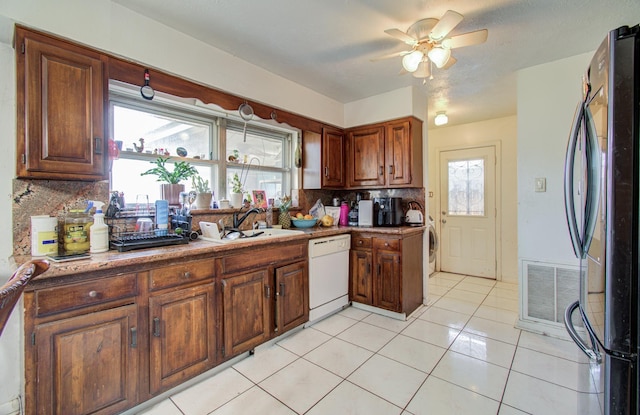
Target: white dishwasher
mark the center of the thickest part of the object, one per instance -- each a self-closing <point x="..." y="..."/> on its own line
<point x="328" y="275"/>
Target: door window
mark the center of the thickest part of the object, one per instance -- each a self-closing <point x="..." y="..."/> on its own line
<point x="466" y="187"/>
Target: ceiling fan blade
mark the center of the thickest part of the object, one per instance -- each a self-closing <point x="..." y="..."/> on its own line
<point x="390" y="55"/>
<point x="400" y="35"/>
<point x="466" y="39"/>
<point x="446" y="24"/>
<point x="450" y="63"/>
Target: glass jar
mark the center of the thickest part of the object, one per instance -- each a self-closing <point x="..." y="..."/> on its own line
<point x="77" y="231"/>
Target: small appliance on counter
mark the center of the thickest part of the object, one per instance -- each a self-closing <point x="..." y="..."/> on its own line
<point x="414" y="217"/>
<point x="365" y="213"/>
<point x="387" y="211"/>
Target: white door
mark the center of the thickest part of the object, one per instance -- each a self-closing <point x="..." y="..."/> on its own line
<point x="468" y="211"/>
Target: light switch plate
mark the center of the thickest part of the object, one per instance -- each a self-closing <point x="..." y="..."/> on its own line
<point x="541" y="184"/>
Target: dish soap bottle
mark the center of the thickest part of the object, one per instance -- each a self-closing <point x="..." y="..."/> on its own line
<point x="99" y="240"/>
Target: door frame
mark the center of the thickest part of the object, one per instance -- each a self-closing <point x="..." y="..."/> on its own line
<point x="437" y="215"/>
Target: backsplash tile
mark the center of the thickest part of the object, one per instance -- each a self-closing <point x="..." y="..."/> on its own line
<point x="49" y="197"/>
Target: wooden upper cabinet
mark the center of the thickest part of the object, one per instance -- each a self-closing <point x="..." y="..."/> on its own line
<point x="388" y="154"/>
<point x="333" y="158"/>
<point x="366" y="157"/>
<point x="323" y="159"/>
<point x="61" y="100"/>
<point x="398" y="151"/>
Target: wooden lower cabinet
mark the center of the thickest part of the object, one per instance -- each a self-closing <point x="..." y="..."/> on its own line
<point x="386" y="271"/>
<point x="105" y="343"/>
<point x="182" y="342"/>
<point x="87" y="364"/>
<point x="263" y="304"/>
<point x="361" y="287"/>
<point x="292" y="298"/>
<point x="246" y="300"/>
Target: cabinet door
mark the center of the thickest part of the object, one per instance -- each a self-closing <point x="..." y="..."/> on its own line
<point x="246" y="300"/>
<point x="333" y="159"/>
<point x="398" y="153"/>
<point x="183" y="339"/>
<point x="60" y="110"/>
<point x="292" y="297"/>
<point x="87" y="364"/>
<point x="366" y="157"/>
<point x="388" y="281"/>
<point x="361" y="278"/>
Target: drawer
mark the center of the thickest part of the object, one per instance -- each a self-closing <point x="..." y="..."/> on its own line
<point x="253" y="258"/>
<point x="71" y="297"/>
<point x="386" y="244"/>
<point x="360" y="242"/>
<point x="181" y="273"/>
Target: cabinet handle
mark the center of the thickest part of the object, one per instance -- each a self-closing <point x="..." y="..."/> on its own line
<point x="386" y="244"/>
<point x="156" y="327"/>
<point x="282" y="289"/>
<point x="381" y="169"/>
<point x="93" y="294"/>
<point x="98" y="145"/>
<point x="390" y="169"/>
<point x="368" y="268"/>
<point x="186" y="275"/>
<point x="379" y="270"/>
<point x="360" y="242"/>
<point x="267" y="291"/>
<point x="134" y="337"/>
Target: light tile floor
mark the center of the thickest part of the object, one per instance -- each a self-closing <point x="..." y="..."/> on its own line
<point x="460" y="354"/>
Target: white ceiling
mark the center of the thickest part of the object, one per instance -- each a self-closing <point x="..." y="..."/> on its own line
<point x="326" y="45"/>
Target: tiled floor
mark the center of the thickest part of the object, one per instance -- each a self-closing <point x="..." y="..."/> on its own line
<point x="459" y="355"/>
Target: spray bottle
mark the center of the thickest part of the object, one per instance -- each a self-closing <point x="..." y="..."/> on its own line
<point x="99" y="239"/>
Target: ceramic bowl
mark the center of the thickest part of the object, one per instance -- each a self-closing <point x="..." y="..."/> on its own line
<point x="304" y="223"/>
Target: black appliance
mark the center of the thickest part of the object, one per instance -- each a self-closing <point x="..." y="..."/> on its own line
<point x="387" y="211"/>
<point x="601" y="199"/>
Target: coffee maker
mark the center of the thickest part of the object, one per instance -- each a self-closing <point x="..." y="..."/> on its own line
<point x="387" y="211"/>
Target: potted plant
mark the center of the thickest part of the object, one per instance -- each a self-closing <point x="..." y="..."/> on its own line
<point x="171" y="189"/>
<point x="235" y="196"/>
<point x="203" y="192"/>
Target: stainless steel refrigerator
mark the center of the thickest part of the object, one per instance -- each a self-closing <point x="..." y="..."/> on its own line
<point x="602" y="204"/>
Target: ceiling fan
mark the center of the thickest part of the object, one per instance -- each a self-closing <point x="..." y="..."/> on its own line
<point x="430" y="44"/>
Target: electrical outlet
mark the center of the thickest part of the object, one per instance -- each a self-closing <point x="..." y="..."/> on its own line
<point x="541" y="184"/>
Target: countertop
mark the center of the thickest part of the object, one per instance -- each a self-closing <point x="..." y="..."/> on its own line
<point x="142" y="258"/>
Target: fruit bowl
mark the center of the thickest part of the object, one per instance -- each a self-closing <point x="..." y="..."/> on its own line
<point x="304" y="223"/>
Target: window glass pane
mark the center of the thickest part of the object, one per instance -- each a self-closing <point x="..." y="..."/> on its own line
<point x="254" y="179"/>
<point x="161" y="132"/>
<point x="262" y="149"/>
<point x="466" y="187"/>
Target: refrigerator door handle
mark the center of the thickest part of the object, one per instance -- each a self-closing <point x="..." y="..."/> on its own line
<point x="592" y="190"/>
<point x="569" y="200"/>
<point x="593" y="354"/>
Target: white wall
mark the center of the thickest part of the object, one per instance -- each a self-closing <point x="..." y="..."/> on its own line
<point x="395" y="104"/>
<point x="504" y="131"/>
<point x="547" y="98"/>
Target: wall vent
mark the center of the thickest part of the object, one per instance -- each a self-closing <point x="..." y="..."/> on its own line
<point x="548" y="289"/>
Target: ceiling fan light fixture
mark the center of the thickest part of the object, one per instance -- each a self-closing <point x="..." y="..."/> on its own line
<point x="423" y="70"/>
<point x="411" y="61"/>
<point x="441" y="118"/>
<point x="439" y="56"/>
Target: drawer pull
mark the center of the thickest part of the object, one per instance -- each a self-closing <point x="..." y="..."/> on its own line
<point x="360" y="242"/>
<point x="156" y="327"/>
<point x="93" y="294"/>
<point x="386" y="244"/>
<point x="187" y="275"/>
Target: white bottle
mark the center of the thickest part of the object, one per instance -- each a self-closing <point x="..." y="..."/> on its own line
<point x="99" y="239"/>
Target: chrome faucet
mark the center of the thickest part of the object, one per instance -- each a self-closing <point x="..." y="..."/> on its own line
<point x="237" y="221"/>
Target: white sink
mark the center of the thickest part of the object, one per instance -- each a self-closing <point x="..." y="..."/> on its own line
<point x="269" y="233"/>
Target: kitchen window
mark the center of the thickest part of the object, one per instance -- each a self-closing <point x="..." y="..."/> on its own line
<point x="259" y="155"/>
